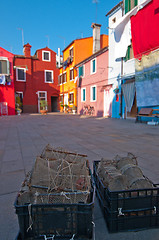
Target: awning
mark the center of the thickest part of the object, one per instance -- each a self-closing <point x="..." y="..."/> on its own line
<point x="129" y="94"/>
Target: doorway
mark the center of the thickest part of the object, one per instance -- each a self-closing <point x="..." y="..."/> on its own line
<point x="54" y="105"/>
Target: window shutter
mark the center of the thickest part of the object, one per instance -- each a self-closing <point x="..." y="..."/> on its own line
<point x="94" y="66"/>
<point x="59" y="80"/>
<point x="84" y="94"/>
<point x="126" y="6"/>
<point x="94" y="93"/>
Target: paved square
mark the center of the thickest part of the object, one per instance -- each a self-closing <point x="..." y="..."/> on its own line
<point x="23" y="137"/>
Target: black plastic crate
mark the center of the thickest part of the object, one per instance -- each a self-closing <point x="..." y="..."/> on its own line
<point x="61" y="220"/>
<point x="128" y="209"/>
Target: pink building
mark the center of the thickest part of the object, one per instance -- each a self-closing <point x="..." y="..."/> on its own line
<point x="7" y="98"/>
<point x="93" y="88"/>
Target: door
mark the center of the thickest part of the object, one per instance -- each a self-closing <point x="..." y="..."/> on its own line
<point x="66" y="99"/>
<point x="107" y="103"/>
<point x="41" y="96"/>
<point x="54" y="101"/>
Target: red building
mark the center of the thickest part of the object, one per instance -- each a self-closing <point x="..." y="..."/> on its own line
<point x="36" y="78"/>
<point x="7" y="99"/>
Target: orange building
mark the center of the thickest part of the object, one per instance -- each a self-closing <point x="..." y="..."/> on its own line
<point x="75" y="52"/>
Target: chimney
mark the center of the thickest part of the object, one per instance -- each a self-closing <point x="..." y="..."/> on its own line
<point x="96" y="37"/>
<point x="27" y="50"/>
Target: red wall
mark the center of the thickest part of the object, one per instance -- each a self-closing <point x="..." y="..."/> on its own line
<point x="35" y="79"/>
<point x="7" y="91"/>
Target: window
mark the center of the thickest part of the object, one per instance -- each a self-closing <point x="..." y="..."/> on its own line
<point x="81" y="71"/>
<point x="71" y="74"/>
<point x="60" y="79"/>
<point x="83" y="94"/>
<point x="129" y="53"/>
<point x="61" y="99"/>
<point x="71" y="98"/>
<point x="93" y="66"/>
<point x="71" y="52"/>
<point x="46" y="56"/>
<point x="21" y="74"/>
<point x="64" y="78"/>
<point x="93" y="93"/>
<point x="49" y="76"/>
<point x="114" y="20"/>
<point x="4" y="67"/>
<point x="130" y="4"/>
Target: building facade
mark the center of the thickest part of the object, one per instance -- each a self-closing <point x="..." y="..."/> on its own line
<point x="36" y="79"/>
<point x="93" y="89"/>
<point x="75" y="52"/>
<point x="7" y="98"/>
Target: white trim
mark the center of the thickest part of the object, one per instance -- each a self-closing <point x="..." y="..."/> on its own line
<point x="19" y="80"/>
<point x="82" y="94"/>
<point x="52" y="76"/>
<point x="91" y="68"/>
<point x="43" y="51"/>
<point x="91" y="95"/>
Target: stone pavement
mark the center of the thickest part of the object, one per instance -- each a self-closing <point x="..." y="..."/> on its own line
<point x="23" y="137"/>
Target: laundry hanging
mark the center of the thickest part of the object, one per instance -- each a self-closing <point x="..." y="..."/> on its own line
<point x="122" y="31"/>
<point x="129" y="94"/>
<point x="2" y="79"/>
<point x="144" y="29"/>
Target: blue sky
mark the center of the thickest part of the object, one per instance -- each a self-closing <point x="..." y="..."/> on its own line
<point x="50" y="22"/>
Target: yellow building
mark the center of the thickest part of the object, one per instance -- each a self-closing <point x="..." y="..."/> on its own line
<point x="74" y="53"/>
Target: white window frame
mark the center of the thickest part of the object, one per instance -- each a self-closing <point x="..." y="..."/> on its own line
<point x="43" y="56"/>
<point x="91" y="68"/>
<point x="82" y="94"/>
<point x="73" y="74"/>
<point x="45" y="71"/>
<point x="19" y="80"/>
<point x="91" y="95"/>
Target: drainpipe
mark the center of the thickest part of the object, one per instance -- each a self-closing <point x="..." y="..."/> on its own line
<point x="121" y="96"/>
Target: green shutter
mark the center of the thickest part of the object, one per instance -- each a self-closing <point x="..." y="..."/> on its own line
<point x="127" y="57"/>
<point x="126" y="6"/>
<point x="94" y="93"/>
<point x="94" y="65"/>
<point x="84" y="95"/>
<point x="136" y="2"/>
<point x="80" y="69"/>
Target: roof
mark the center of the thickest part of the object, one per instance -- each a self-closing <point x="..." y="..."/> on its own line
<point x="92" y="56"/>
<point x="112" y="10"/>
<point x="74" y="41"/>
<point x="22" y="56"/>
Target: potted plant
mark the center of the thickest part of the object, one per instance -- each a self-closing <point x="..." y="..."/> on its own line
<point x="74" y="108"/>
<point x="62" y="106"/>
<point x="18" y="105"/>
<point x="66" y="107"/>
<point x="43" y="107"/>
